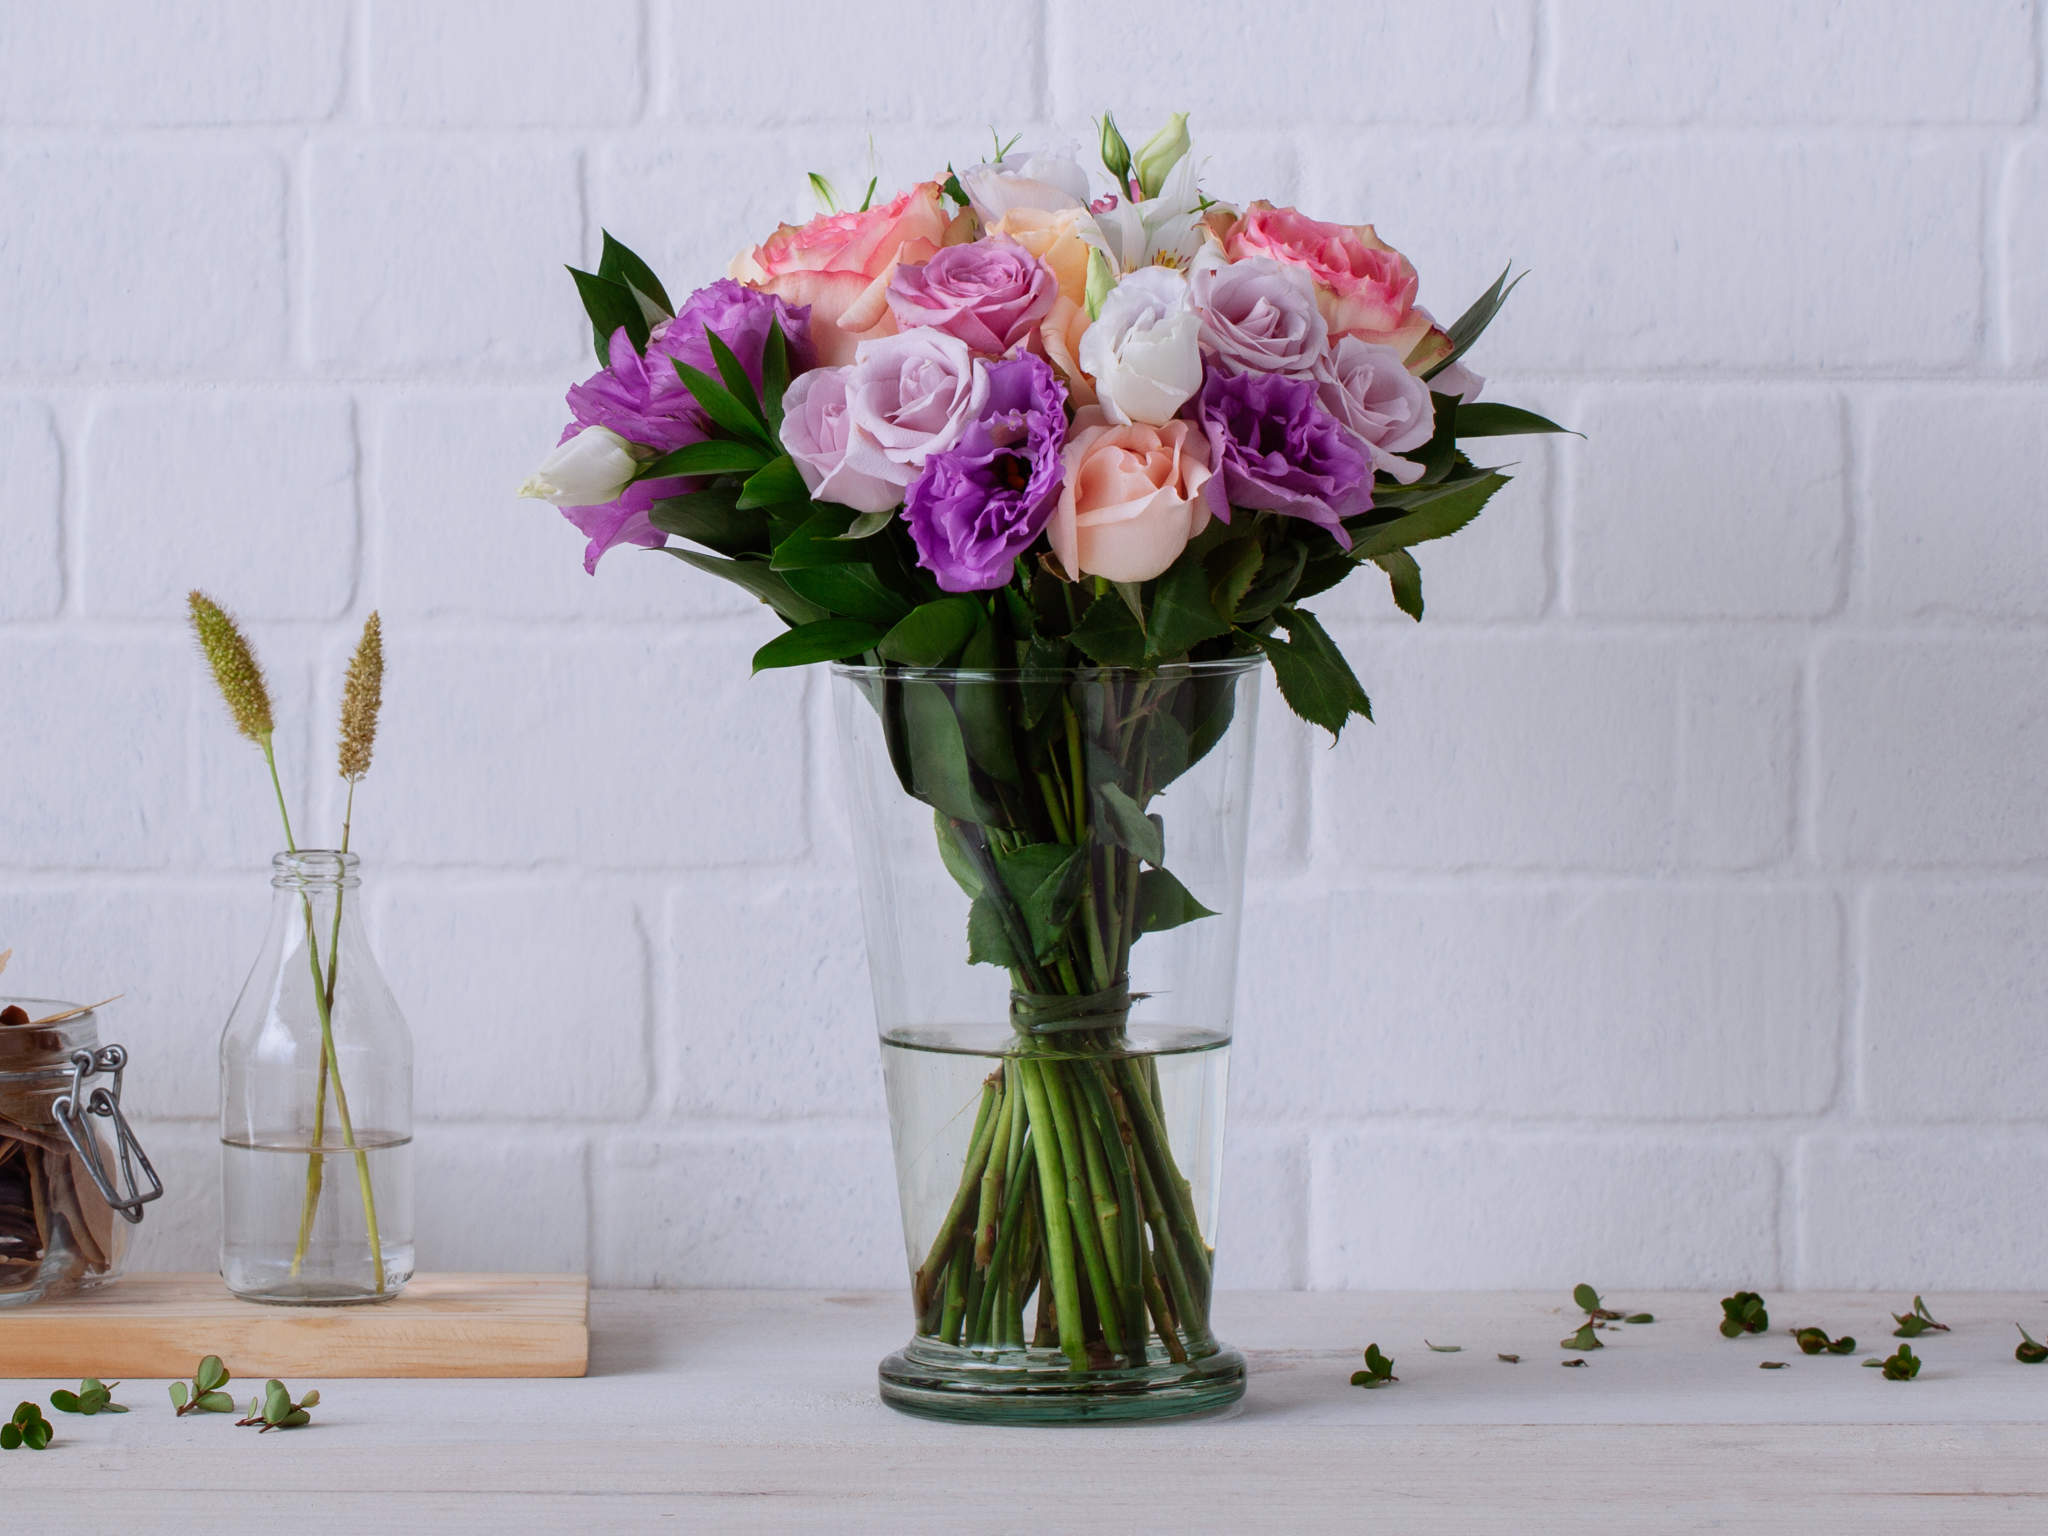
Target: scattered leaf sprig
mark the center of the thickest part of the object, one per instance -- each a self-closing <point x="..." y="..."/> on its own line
<point x="1916" y="1322"/>
<point x="1744" y="1312"/>
<point x="205" y="1394"/>
<point x="1903" y="1366"/>
<point x="1813" y="1341"/>
<point x="1588" y="1301"/>
<point x="1585" y="1338"/>
<point x="276" y="1410"/>
<point x="28" y="1427"/>
<point x="2029" y="1351"/>
<point x="1445" y="1349"/>
<point x="1572" y="1362"/>
<point x="1509" y="1359"/>
<point x="1771" y="1365"/>
<point x="1378" y="1372"/>
<point x="93" y="1396"/>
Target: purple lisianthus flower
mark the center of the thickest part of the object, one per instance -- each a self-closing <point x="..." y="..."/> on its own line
<point x="624" y="521"/>
<point x="991" y="294"/>
<point x="644" y="400"/>
<point x="980" y="503"/>
<point x="1278" y="450"/>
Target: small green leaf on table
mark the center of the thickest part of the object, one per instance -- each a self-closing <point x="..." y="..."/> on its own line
<point x="1378" y="1372"/>
<point x="1744" y="1312"/>
<point x="2029" y="1351"/>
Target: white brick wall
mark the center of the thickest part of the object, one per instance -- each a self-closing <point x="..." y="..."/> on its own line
<point x="1681" y="922"/>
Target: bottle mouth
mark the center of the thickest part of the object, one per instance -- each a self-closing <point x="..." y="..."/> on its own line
<point x="314" y="867"/>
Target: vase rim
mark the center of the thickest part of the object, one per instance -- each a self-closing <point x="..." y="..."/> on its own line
<point x="1230" y="666"/>
<point x="313" y="867"/>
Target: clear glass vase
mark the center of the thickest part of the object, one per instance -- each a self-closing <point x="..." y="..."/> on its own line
<point x="316" y="1104"/>
<point x="1052" y="869"/>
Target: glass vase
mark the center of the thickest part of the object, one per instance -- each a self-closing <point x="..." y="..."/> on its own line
<point x="316" y="1104"/>
<point x="1051" y="868"/>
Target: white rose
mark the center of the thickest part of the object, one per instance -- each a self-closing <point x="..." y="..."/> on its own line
<point x="1050" y="180"/>
<point x="1144" y="349"/>
<point x="589" y="470"/>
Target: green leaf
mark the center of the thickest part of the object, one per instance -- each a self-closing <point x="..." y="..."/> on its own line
<point x="296" y="1419"/>
<point x="64" y="1402"/>
<point x="723" y="406"/>
<point x="276" y="1401"/>
<point x="1276" y="581"/>
<point x="711" y="518"/>
<point x="774" y="374"/>
<point x="1585" y="1298"/>
<point x="179" y="1396"/>
<point x="212" y="1373"/>
<point x="1044" y="881"/>
<point x="988" y="937"/>
<point x="2029" y="1351"/>
<point x="1406" y="578"/>
<point x="216" y="1402"/>
<point x="1108" y="635"/>
<point x="713" y="457"/>
<point x="1126" y="825"/>
<point x="1903" y="1366"/>
<point x="1379" y="1369"/>
<point x="1585" y="1338"/>
<point x="1315" y="679"/>
<point x="610" y="306"/>
<point x="1639" y="1317"/>
<point x="1183" y="614"/>
<point x="929" y="751"/>
<point x="931" y="634"/>
<point x="1490" y="420"/>
<point x="1163" y="903"/>
<point x="38" y="1435"/>
<point x="850" y="590"/>
<point x="619" y="264"/>
<point x="1467" y="327"/>
<point x="735" y="379"/>
<point x="959" y="863"/>
<point x="1437" y="518"/>
<point x="987" y="709"/>
<point x="1231" y="568"/>
<point x="821" y="640"/>
<point x="868" y="524"/>
<point x="755" y="576"/>
<point x="1744" y="1312"/>
<point x="10" y="1437"/>
<point x="1446" y="1349"/>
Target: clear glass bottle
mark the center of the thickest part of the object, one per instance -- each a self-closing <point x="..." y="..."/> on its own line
<point x="1057" y="1112"/>
<point x="316" y="1104"/>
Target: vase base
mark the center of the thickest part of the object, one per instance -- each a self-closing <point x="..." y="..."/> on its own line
<point x="1038" y="1386"/>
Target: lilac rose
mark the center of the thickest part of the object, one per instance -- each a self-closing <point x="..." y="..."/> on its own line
<point x="979" y="504"/>
<point x="1277" y="450"/>
<point x="817" y="431"/>
<point x="991" y="294"/>
<point x="1258" y="316"/>
<point x="1369" y="389"/>
<point x="909" y="396"/>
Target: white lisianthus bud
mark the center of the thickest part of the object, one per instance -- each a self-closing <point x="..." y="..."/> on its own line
<point x="590" y="469"/>
<point x="1144" y="351"/>
<point x="1161" y="153"/>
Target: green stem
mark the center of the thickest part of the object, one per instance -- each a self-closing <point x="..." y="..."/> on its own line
<point x="1065" y="1289"/>
<point x="978" y="1144"/>
<point x="1119" y="1148"/>
<point x="992" y="1181"/>
<point x="316" y="1161"/>
<point x="1073" y="1159"/>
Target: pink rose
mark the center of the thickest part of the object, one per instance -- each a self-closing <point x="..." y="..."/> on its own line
<point x="1368" y="388"/>
<point x="840" y="264"/>
<point x="817" y="431"/>
<point x="908" y="397"/>
<point x="1134" y="496"/>
<point x="1364" y="286"/>
<point x="991" y="294"/>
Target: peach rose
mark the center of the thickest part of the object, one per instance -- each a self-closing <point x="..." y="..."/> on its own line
<point x="1364" y="286"/>
<point x="1055" y="239"/>
<point x="840" y="265"/>
<point x="1134" y="495"/>
<point x="1059" y="338"/>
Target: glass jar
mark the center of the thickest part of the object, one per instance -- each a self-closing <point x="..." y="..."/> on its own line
<point x="67" y="1198"/>
<point x="1051" y="869"/>
<point x="316" y="1104"/>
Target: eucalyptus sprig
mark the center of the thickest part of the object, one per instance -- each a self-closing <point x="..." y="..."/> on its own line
<point x="28" y="1427"/>
<point x="93" y="1396"/>
<point x="276" y="1410"/>
<point x="1744" y="1312"/>
<point x="1916" y="1322"/>
<point x="2029" y="1351"/>
<point x="1378" y="1372"/>
<point x="1814" y="1341"/>
<point x="204" y="1395"/>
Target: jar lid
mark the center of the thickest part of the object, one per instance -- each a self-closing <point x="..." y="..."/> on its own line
<point x="34" y="1047"/>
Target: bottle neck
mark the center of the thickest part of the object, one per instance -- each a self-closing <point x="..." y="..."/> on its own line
<point x="315" y="871"/>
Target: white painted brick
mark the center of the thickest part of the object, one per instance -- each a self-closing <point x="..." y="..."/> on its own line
<point x="784" y="61"/>
<point x="31" y="485"/>
<point x="1354" y="64"/>
<point x="1806" y="61"/>
<point x="1477" y="1211"/>
<point x="176" y="952"/>
<point x="1262" y="1235"/>
<point x="1737" y="757"/>
<point x="1706" y="503"/>
<point x="490" y="62"/>
<point x="602" y="750"/>
<point x="1643" y="1002"/>
<point x="447" y="537"/>
<point x="497" y="1200"/>
<point x="427" y="259"/>
<point x="142" y="259"/>
<point x="1674" y="254"/>
<point x="103" y="62"/>
<point x="1931" y="751"/>
<point x="262" y="484"/>
<point x="101" y="780"/>
<point x="1921" y="1212"/>
<point x="2025" y="201"/>
<point x="1956" y="502"/>
<point x="1951" y="1025"/>
<point x="553" y="976"/>
<point x="795" y="1205"/>
<point x="765" y="1008"/>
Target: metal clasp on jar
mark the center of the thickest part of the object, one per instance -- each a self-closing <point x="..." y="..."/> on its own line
<point x="106" y="1102"/>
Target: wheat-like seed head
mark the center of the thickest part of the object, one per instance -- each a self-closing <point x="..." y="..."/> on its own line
<point x="235" y="670"/>
<point x="362" y="695"/>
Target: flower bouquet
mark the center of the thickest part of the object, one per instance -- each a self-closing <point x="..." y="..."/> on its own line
<point x="1049" y="475"/>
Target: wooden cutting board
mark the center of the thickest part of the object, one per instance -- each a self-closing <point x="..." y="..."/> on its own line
<point x="145" y="1326"/>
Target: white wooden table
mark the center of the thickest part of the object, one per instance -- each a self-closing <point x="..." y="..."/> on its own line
<point x="756" y="1411"/>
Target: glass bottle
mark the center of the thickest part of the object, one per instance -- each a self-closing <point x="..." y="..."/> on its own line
<point x="316" y="1104"/>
